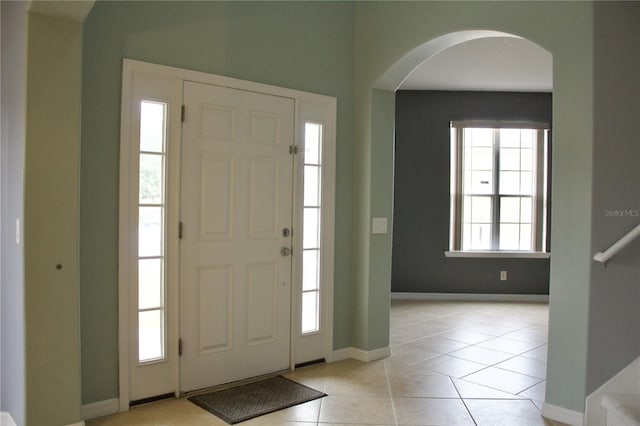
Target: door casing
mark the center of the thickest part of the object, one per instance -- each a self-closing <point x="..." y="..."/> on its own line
<point x="166" y="84"/>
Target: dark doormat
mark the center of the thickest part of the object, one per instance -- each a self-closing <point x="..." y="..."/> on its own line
<point x="235" y="405"/>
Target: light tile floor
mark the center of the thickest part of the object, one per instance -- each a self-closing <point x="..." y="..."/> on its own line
<point x="452" y="363"/>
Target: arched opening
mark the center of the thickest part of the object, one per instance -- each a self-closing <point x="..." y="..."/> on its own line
<point x="479" y="76"/>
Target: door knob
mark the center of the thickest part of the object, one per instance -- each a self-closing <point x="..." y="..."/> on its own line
<point x="285" y="251"/>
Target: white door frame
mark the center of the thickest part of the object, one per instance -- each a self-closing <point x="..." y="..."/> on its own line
<point x="150" y="79"/>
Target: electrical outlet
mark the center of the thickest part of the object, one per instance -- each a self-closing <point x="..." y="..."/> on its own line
<point x="503" y="275"/>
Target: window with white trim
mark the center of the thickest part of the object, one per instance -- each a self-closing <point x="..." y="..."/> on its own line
<point x="499" y="186"/>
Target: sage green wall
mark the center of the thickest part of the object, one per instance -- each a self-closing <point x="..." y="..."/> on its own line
<point x="388" y="32"/>
<point x="305" y="45"/>
<point x="52" y="343"/>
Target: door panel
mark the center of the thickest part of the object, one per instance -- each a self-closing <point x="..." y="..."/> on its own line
<point x="237" y="178"/>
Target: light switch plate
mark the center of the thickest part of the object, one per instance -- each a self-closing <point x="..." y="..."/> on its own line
<point x="379" y="225"/>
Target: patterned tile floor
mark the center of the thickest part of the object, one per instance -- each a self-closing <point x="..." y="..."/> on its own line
<point x="452" y="363"/>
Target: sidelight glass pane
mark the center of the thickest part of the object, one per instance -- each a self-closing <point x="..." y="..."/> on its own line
<point x="150" y="231"/>
<point x="526" y="212"/>
<point x="312" y="186"/>
<point x="151" y="179"/>
<point x="311" y="228"/>
<point x="310" y="312"/>
<point x="312" y="143"/>
<point x="152" y="126"/>
<point x="150" y="335"/>
<point x="526" y="183"/>
<point x="150" y="289"/>
<point x="310" y="270"/>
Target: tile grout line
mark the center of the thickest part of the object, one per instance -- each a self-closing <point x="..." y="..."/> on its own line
<point x="463" y="401"/>
<point x="393" y="405"/>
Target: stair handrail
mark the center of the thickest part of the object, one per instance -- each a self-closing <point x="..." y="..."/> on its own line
<point x="604" y="257"/>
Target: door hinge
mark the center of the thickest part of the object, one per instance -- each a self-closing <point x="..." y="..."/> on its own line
<point x="180" y="231"/>
<point x="293" y="149"/>
<point x="182" y="113"/>
<point x="179" y="347"/>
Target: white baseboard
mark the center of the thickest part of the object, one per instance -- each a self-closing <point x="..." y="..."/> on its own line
<point x="6" y="419"/>
<point x="360" y="355"/>
<point x="100" y="408"/>
<point x="564" y="415"/>
<point x="472" y="297"/>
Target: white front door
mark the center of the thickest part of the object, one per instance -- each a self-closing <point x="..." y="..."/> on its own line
<point x="236" y="202"/>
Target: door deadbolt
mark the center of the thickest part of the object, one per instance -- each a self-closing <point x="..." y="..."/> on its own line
<point x="286" y="232"/>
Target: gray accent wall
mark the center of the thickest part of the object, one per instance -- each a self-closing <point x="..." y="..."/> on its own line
<point x="614" y="308"/>
<point x="422" y="200"/>
<point x="12" y="324"/>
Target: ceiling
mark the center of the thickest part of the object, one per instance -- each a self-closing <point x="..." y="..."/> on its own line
<point x="487" y="64"/>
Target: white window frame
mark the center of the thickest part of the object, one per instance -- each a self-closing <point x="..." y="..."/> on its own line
<point x="165" y="83"/>
<point x="539" y="197"/>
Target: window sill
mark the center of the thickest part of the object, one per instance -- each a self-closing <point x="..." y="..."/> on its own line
<point x="499" y="254"/>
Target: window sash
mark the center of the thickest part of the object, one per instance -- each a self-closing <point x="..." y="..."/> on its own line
<point x="538" y="196"/>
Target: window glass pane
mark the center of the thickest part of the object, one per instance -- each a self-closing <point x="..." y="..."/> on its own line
<point x="526" y="183"/>
<point x="150" y="231"/>
<point x="478" y="137"/>
<point x="509" y="159"/>
<point x="150" y="335"/>
<point x="310" y="263"/>
<point x="150" y="283"/>
<point x="526" y="159"/>
<point x="466" y="237"/>
<point x="510" y="183"/>
<point x="466" y="209"/>
<point x="310" y="320"/>
<point x="526" y="212"/>
<point x="152" y="126"/>
<point x="481" y="209"/>
<point x="525" y="237"/>
<point x="151" y="168"/>
<point x="509" y="236"/>
<point x="527" y="136"/>
<point x="510" y="138"/>
<point x="481" y="183"/>
<point x="509" y="209"/>
<point x="311" y="228"/>
<point x="482" y="158"/>
<point x="312" y="143"/>
<point x="312" y="186"/>
<point x="480" y="236"/>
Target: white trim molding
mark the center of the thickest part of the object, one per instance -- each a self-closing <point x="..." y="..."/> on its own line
<point x="499" y="254"/>
<point x="80" y="423"/>
<point x="360" y="354"/>
<point x="6" y="419"/>
<point x="561" y="414"/>
<point x="166" y="84"/>
<point x="100" y="408"/>
<point x="472" y="297"/>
